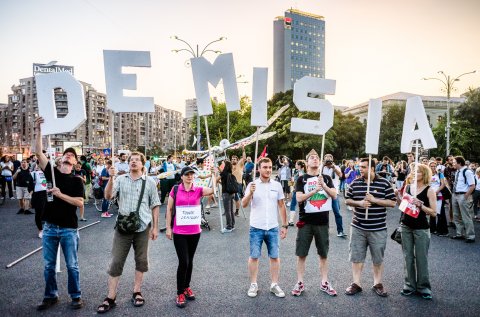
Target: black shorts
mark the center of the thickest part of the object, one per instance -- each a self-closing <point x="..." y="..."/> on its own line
<point x="285" y="186"/>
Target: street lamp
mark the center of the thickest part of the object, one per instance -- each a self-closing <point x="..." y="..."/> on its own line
<point x="448" y="83"/>
<point x="195" y="54"/>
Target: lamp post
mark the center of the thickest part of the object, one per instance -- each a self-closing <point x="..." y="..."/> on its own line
<point x="448" y="82"/>
<point x="196" y="53"/>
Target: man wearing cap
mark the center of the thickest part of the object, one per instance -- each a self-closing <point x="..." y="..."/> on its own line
<point x="61" y="223"/>
<point x="129" y="186"/>
<point x="315" y="193"/>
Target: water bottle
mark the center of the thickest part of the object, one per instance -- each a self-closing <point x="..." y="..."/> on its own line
<point x="49" y="194"/>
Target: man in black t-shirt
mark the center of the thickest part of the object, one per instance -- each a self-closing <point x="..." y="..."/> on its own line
<point x="61" y="223"/>
<point x="314" y="194"/>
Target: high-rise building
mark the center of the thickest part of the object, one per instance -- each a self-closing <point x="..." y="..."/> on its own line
<point x="164" y="129"/>
<point x="190" y="108"/>
<point x="298" y="48"/>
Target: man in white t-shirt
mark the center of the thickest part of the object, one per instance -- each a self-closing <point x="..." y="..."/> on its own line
<point x="7" y="173"/>
<point x="267" y="201"/>
<point x="122" y="166"/>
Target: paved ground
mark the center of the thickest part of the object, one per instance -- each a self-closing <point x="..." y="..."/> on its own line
<point x="220" y="276"/>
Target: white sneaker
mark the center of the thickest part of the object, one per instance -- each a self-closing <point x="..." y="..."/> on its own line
<point x="288" y="204"/>
<point x="275" y="289"/>
<point x="40" y="234"/>
<point x="253" y="290"/>
<point x="349" y="208"/>
<point x="207" y="206"/>
<point x="12" y="198"/>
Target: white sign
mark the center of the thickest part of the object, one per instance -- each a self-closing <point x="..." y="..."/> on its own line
<point x="259" y="97"/>
<point x="317" y="86"/>
<point x="46" y="83"/>
<point x="188" y="215"/>
<point x="204" y="72"/>
<point x="374" y="119"/>
<point x="116" y="81"/>
<point x="415" y="115"/>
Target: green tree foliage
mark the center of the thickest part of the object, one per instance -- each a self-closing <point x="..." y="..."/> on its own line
<point x="391" y="131"/>
<point x="464" y="132"/>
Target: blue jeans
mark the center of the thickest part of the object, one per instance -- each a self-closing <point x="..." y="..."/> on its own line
<point x="68" y="238"/>
<point x="258" y="236"/>
<point x="105" y="204"/>
<point x="338" y="217"/>
<point x="293" y="203"/>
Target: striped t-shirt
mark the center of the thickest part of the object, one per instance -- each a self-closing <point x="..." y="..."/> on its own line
<point x="377" y="215"/>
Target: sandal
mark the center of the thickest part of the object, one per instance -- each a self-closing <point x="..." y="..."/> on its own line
<point x="107" y="304"/>
<point x="137" y="299"/>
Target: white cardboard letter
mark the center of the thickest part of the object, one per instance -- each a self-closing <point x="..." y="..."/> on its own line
<point x="116" y="81"/>
<point x="317" y="86"/>
<point x="374" y="119"/>
<point x="259" y="97"/>
<point x="46" y="102"/>
<point x="415" y="114"/>
<point x="204" y="72"/>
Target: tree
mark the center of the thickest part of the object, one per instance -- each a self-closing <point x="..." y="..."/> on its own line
<point x="391" y="130"/>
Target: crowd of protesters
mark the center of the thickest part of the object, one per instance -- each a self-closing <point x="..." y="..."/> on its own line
<point x="439" y="195"/>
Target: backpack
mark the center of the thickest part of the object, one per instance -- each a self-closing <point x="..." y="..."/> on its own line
<point x="231" y="186"/>
<point x="465" y="177"/>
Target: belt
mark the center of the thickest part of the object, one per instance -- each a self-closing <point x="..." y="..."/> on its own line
<point x="460" y="193"/>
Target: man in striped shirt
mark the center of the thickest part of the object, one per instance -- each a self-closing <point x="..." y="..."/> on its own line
<point x="369" y="227"/>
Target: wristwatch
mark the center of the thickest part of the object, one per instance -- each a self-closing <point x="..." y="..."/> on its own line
<point x="285" y="226"/>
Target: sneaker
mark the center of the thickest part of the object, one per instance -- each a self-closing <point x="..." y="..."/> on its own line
<point x="426" y="296"/>
<point x="181" y="301"/>
<point x="28" y="212"/>
<point x="442" y="234"/>
<point x="275" y="289"/>
<point x="298" y="289"/>
<point x="20" y="211"/>
<point x="341" y="234"/>
<point x="12" y="198"/>
<point x="189" y="293"/>
<point x="207" y="206"/>
<point x="106" y="215"/>
<point x="457" y="237"/>
<point x="83" y="219"/>
<point x="214" y="205"/>
<point x="288" y="204"/>
<point x="236" y="213"/>
<point x="47" y="303"/>
<point x="349" y="208"/>
<point x="40" y="234"/>
<point x="226" y="230"/>
<point x="327" y="288"/>
<point x="407" y="292"/>
<point x="290" y="223"/>
<point x="76" y="303"/>
<point x="253" y="290"/>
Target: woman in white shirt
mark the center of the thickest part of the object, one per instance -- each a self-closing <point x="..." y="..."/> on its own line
<point x="39" y="197"/>
<point x="438" y="225"/>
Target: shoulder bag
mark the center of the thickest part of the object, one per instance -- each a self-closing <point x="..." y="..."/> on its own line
<point x="131" y="222"/>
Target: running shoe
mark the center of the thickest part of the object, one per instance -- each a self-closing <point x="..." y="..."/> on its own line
<point x="253" y="290"/>
<point x="298" y="289"/>
<point x="327" y="288"/>
<point x="275" y="289"/>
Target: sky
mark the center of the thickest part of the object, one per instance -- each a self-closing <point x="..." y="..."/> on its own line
<point x="373" y="47"/>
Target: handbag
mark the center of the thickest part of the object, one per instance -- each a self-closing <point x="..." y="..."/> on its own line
<point x="131" y="223"/>
<point x="446" y="193"/>
<point x="397" y="235"/>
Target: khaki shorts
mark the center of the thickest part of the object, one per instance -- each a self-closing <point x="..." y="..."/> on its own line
<point x="305" y="236"/>
<point x="361" y="239"/>
<point x="22" y="193"/>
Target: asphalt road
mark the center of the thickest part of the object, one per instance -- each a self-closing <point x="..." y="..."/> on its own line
<point x="220" y="276"/>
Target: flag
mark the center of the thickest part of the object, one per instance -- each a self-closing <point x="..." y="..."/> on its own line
<point x="264" y="152"/>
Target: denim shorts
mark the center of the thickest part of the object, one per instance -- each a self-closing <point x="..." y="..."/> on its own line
<point x="257" y="236"/>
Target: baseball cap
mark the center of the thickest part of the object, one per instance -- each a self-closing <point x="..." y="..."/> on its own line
<point x="186" y="170"/>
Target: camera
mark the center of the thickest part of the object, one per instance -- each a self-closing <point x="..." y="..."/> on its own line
<point x="328" y="162"/>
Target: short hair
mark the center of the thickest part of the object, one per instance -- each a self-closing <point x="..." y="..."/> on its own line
<point x="109" y="162"/>
<point x="302" y="164"/>
<point x="386" y="158"/>
<point x="460" y="160"/>
<point x="370" y="162"/>
<point x="83" y="158"/>
<point x="142" y="157"/>
<point x="234" y="156"/>
<point x="168" y="157"/>
<point x="264" y="160"/>
<point x="200" y="160"/>
<point x="438" y="159"/>
<point x="122" y="154"/>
